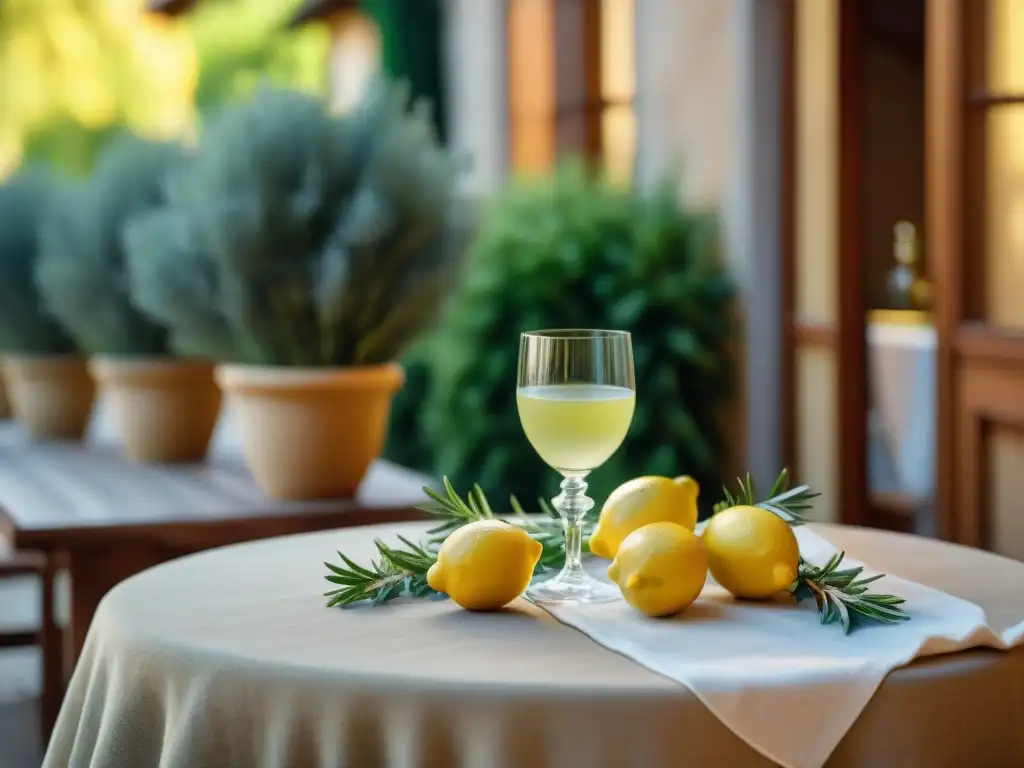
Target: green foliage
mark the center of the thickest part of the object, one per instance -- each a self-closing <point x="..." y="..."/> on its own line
<point x="791" y="504"/>
<point x="841" y="595"/>
<point x="82" y="271"/>
<point x="574" y="252"/>
<point x="24" y="324"/>
<point x="68" y="145"/>
<point x="70" y="70"/>
<point x="297" y="237"/>
<point x="412" y="48"/>
<point x="407" y="444"/>
<point x="241" y="43"/>
<point x="86" y="69"/>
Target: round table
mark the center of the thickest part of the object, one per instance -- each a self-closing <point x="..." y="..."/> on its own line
<point x="230" y="658"/>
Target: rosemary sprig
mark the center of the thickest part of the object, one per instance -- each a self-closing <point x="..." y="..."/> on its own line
<point x="394" y="573"/>
<point x="841" y="595"/>
<point x="788" y="503"/>
<point x="453" y="512"/>
<point x="398" y="572"/>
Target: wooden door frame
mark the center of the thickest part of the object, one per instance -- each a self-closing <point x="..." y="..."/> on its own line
<point x="787" y="237"/>
<point x="944" y="228"/>
<point x="981" y="367"/>
<point x="851" y="341"/>
<point x="845" y="337"/>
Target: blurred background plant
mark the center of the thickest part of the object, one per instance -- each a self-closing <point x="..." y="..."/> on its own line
<point x="74" y="73"/>
<point x="408" y="443"/>
<point x="297" y="237"/>
<point x="572" y="251"/>
<point x="241" y="43"/>
<point x="82" y="270"/>
<point x="25" y="325"/>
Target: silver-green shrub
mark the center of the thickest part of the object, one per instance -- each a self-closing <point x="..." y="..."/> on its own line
<point x="25" y="325"/>
<point x="298" y="237"/>
<point x="82" y="269"/>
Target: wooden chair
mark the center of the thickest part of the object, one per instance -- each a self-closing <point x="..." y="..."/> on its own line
<point x="49" y="637"/>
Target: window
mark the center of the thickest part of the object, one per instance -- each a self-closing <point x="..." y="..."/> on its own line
<point x="995" y="159"/>
<point x="618" y="87"/>
<point x="572" y="83"/>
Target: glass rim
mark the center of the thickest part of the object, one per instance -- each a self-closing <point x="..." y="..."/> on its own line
<point x="570" y="334"/>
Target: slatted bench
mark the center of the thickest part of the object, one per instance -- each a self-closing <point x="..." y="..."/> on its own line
<point x="105" y="518"/>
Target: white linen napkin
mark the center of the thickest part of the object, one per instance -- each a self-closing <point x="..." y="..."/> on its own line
<point x="752" y="664"/>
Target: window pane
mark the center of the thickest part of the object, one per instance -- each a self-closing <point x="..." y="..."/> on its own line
<point x="618" y="128"/>
<point x="1004" y="217"/>
<point x="1004" y="22"/>
<point x="532" y="145"/>
<point x="618" y="59"/>
<point x="531" y="85"/>
<point x="531" y="61"/>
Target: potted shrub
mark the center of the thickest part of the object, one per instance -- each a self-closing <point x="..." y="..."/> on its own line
<point x="306" y="250"/>
<point x="47" y="381"/>
<point x="164" y="407"/>
<point x="571" y="251"/>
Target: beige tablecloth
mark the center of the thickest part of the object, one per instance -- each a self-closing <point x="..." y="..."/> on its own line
<point x="229" y="658"/>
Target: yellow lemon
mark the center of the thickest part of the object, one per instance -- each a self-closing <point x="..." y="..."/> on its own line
<point x="660" y="568"/>
<point x="639" y="502"/>
<point x="753" y="553"/>
<point x="485" y="565"/>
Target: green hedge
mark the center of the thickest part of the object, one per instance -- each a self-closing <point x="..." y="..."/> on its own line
<point x="571" y="251"/>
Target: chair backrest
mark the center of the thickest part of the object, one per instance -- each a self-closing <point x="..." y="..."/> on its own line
<point x="19" y="563"/>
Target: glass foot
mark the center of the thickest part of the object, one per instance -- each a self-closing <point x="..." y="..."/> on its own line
<point x="573" y="587"/>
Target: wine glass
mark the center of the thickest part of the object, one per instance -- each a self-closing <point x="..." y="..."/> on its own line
<point x="576" y="396"/>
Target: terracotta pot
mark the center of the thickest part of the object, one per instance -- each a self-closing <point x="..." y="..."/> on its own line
<point x="164" y="409"/>
<point x="310" y="433"/>
<point x="51" y="395"/>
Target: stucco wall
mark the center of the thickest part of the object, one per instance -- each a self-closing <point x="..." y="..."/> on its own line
<point x="707" y="108"/>
<point x="477" y="110"/>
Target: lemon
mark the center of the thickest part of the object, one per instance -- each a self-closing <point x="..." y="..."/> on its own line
<point x="485" y="565"/>
<point x="660" y="568"/>
<point x="752" y="553"/>
<point x="639" y="502"/>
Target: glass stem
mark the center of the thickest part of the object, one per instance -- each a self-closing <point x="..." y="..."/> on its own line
<point x="572" y="504"/>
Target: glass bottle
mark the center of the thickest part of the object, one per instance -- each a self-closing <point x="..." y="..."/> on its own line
<point x="906" y="287"/>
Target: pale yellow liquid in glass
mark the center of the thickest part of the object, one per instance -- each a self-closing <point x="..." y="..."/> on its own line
<point x="575" y="427"/>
